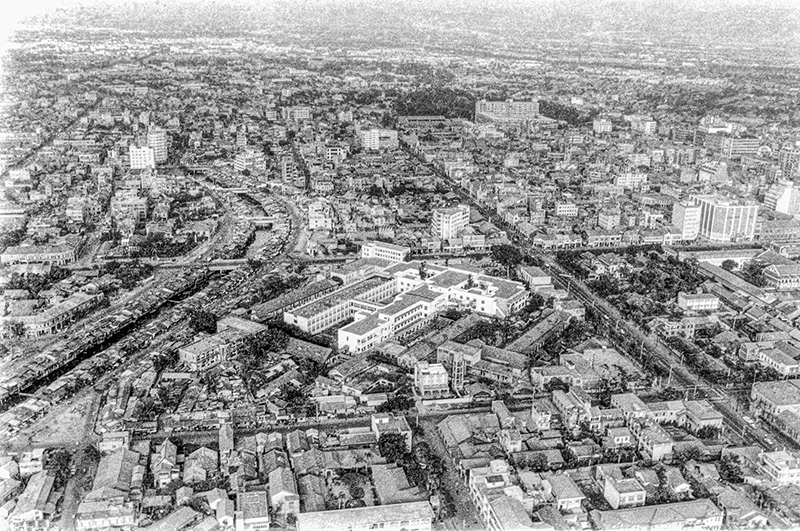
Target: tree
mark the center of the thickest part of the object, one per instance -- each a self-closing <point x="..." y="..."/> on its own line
<point x="753" y="272"/>
<point x="730" y="470"/>
<point x="396" y="403"/>
<point x="203" y="321"/>
<point x="392" y="446"/>
<point x="506" y="254"/>
<point x="729" y="265"/>
<point x="17" y="329"/>
<point x="91" y="453"/>
<point x="356" y="492"/>
<point x="556" y="383"/>
<point x="708" y="432"/>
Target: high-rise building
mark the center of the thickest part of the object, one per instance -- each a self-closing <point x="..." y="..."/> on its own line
<point x="250" y="160"/>
<point x="241" y="138"/>
<point x="726" y="219"/>
<point x="447" y="222"/>
<point x="142" y="157"/>
<point x="789" y="161"/>
<point x="289" y="170"/>
<point x="157" y="141"/>
<point x="736" y="147"/>
<point x="375" y="139"/>
<point x="686" y="218"/>
<point x="783" y="197"/>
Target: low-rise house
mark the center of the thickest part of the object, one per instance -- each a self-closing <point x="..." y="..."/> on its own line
<point x="32" y="462"/>
<point x="695" y="514"/>
<point x="740" y="511"/>
<point x="390" y="423"/>
<point x="36" y="505"/>
<point x="283" y="494"/>
<point x="164" y="464"/>
<point x="623" y="492"/>
<point x="566" y="492"/>
<point x="252" y="511"/>
<point x="414" y="516"/>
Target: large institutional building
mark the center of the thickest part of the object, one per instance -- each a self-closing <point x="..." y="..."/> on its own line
<point x="388" y="299"/>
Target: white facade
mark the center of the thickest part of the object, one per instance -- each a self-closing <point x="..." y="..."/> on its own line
<point x="725" y="220"/>
<point x="783" y="197"/>
<point x="448" y="222"/>
<point x="157" y="140"/>
<point x="431" y="379"/>
<point x="142" y="157"/>
<point x="569" y="210"/>
<point x="698" y="301"/>
<point x="386" y="251"/>
<point x="782" y="467"/>
<point x="630" y="180"/>
<point x="602" y="125"/>
<point x="686" y="218"/>
<point x="376" y="139"/>
<point x="421" y="298"/>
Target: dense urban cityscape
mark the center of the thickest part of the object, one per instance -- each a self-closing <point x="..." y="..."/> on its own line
<point x="412" y="266"/>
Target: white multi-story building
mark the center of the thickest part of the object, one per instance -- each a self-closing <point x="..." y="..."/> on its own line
<point x="296" y="114"/>
<point x="386" y="251"/>
<point x="129" y="206"/>
<point x="630" y="180"/>
<point x="783" y="197"/>
<point x="342" y="304"/>
<point x="789" y="161"/>
<point x="782" y="467"/>
<point x="320" y="216"/>
<point x="569" y="210"/>
<point x="608" y="219"/>
<point x="448" y="222"/>
<point x="431" y="379"/>
<point x="736" y="147"/>
<point x="250" y="160"/>
<point x="38" y="254"/>
<point x="157" y="141"/>
<point x="698" y="301"/>
<point x="725" y="220"/>
<point x="142" y="157"/>
<point x="376" y="139"/>
<point x="422" y="294"/>
<point x="508" y="110"/>
<point x="602" y="125"/>
<point x="686" y="218"/>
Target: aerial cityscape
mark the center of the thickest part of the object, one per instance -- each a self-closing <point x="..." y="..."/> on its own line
<point x="323" y="265"/>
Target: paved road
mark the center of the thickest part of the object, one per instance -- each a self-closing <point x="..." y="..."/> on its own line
<point x="655" y="349"/>
<point x="466" y="516"/>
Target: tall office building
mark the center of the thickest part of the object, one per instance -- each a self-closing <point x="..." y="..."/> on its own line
<point x="783" y="197"/>
<point x="726" y="219"/>
<point x="686" y="218"/>
<point x="736" y="147"/>
<point x="142" y="157"/>
<point x="789" y="161"/>
<point x="448" y="222"/>
<point x="376" y="139"/>
<point x="157" y="140"/>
